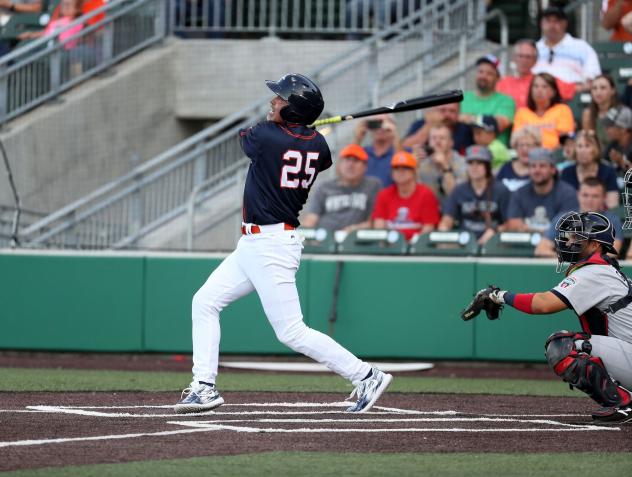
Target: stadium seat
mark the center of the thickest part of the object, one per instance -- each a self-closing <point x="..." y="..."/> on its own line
<point x="612" y="49"/>
<point x="456" y="243"/>
<point x="370" y="242"/>
<point x="22" y="22"/>
<point x="511" y="244"/>
<point x="318" y="241"/>
<point x="577" y="105"/>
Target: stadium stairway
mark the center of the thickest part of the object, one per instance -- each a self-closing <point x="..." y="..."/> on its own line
<point x="403" y="73"/>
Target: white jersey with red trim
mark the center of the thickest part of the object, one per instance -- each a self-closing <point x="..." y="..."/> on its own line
<point x="589" y="290"/>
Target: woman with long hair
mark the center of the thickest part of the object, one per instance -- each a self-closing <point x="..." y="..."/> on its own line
<point x="546" y="111"/>
<point x="603" y="94"/>
<point x="479" y="205"/>
<point x="588" y="164"/>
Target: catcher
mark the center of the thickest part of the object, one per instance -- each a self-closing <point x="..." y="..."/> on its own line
<point x="597" y="360"/>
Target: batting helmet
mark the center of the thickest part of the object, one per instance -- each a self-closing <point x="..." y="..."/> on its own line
<point x="306" y="100"/>
<point x="574" y="228"/>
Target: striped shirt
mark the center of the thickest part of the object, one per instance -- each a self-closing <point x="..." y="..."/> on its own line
<point x="573" y="60"/>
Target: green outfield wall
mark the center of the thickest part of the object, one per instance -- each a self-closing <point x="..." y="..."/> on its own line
<point x="405" y="307"/>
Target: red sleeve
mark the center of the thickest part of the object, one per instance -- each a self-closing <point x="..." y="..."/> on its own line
<point x="429" y="213"/>
<point x="380" y="209"/>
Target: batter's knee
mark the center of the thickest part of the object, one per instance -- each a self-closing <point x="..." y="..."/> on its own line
<point x="202" y="306"/>
<point x="292" y="335"/>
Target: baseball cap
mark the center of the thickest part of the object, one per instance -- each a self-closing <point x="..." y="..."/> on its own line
<point x="620" y="116"/>
<point x="540" y="154"/>
<point x="486" y="122"/>
<point x="554" y="11"/>
<point x="490" y="60"/>
<point x="404" y="159"/>
<point x="354" y="150"/>
<point x="478" y="153"/>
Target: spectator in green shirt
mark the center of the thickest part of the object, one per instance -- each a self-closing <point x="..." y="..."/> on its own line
<point x="486" y="100"/>
<point x="485" y="132"/>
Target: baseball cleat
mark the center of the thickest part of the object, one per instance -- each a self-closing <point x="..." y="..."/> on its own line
<point x="198" y="398"/>
<point x="617" y="415"/>
<point x="369" y="390"/>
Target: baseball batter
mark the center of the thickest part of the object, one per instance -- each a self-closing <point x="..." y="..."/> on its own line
<point x="597" y="360"/>
<point x="285" y="159"/>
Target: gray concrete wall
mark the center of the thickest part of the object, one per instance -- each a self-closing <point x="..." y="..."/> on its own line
<point x="99" y="131"/>
<point x="218" y="77"/>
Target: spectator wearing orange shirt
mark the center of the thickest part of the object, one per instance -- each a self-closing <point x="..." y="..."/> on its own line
<point x="406" y="206"/>
<point x="612" y="11"/>
<point x="525" y="56"/>
<point x="546" y="111"/>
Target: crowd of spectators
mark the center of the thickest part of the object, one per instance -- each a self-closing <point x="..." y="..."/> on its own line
<point x="511" y="157"/>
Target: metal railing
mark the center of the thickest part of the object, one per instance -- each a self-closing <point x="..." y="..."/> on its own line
<point x="272" y="17"/>
<point x="48" y="66"/>
<point x="389" y="81"/>
<point x="121" y="212"/>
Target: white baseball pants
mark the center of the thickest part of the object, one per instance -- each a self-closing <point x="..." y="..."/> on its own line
<point x="616" y="355"/>
<point x="266" y="262"/>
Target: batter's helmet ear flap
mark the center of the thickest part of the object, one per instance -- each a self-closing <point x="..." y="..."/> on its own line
<point x="304" y="97"/>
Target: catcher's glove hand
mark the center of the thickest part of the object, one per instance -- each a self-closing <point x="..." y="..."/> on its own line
<point x="483" y="301"/>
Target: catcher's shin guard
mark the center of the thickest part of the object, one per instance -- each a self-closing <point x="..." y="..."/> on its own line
<point x="579" y="369"/>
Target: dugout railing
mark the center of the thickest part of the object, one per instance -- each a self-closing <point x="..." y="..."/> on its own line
<point x="46" y="67"/>
<point x="121" y="212"/>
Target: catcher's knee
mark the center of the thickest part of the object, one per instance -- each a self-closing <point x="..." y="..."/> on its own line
<point x="581" y="370"/>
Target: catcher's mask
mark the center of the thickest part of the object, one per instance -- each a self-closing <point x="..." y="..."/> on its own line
<point x="627" y="200"/>
<point x="574" y="229"/>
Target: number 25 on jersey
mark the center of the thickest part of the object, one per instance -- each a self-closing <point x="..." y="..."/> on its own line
<point x="291" y="172"/>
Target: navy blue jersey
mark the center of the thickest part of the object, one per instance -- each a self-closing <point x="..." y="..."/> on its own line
<point x="284" y="162"/>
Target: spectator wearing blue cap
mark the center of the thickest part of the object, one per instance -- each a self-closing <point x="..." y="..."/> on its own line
<point x="485" y="133"/>
<point x="533" y="206"/>
<point x="479" y="205"/>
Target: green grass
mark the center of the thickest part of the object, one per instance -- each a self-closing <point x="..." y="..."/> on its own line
<point x="65" y="380"/>
<point x="356" y="464"/>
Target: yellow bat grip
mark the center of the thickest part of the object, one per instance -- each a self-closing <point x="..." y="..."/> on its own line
<point x="332" y="120"/>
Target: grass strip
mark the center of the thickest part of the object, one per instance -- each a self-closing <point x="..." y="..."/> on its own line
<point x="69" y="380"/>
<point x="357" y="464"/>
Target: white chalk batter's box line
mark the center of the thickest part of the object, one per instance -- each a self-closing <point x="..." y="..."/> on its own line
<point x="245" y="420"/>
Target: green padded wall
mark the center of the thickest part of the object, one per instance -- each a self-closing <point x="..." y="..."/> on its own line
<point x="169" y="287"/>
<point x="61" y="302"/>
<point x="400" y="307"/>
<point x="516" y="335"/>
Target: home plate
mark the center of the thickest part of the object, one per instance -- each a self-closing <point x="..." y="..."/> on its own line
<point x="317" y="367"/>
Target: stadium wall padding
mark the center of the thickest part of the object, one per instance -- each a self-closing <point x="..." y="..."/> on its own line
<point x="403" y="307"/>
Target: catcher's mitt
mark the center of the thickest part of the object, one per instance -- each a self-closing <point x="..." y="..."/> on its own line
<point x="481" y="301"/>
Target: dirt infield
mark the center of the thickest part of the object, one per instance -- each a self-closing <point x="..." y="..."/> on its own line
<point x="60" y="429"/>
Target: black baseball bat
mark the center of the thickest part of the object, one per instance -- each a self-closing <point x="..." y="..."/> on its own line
<point x="422" y="102"/>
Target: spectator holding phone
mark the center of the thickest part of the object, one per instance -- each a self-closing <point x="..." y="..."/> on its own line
<point x="384" y="143"/>
<point x="447" y="115"/>
<point x="443" y="167"/>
